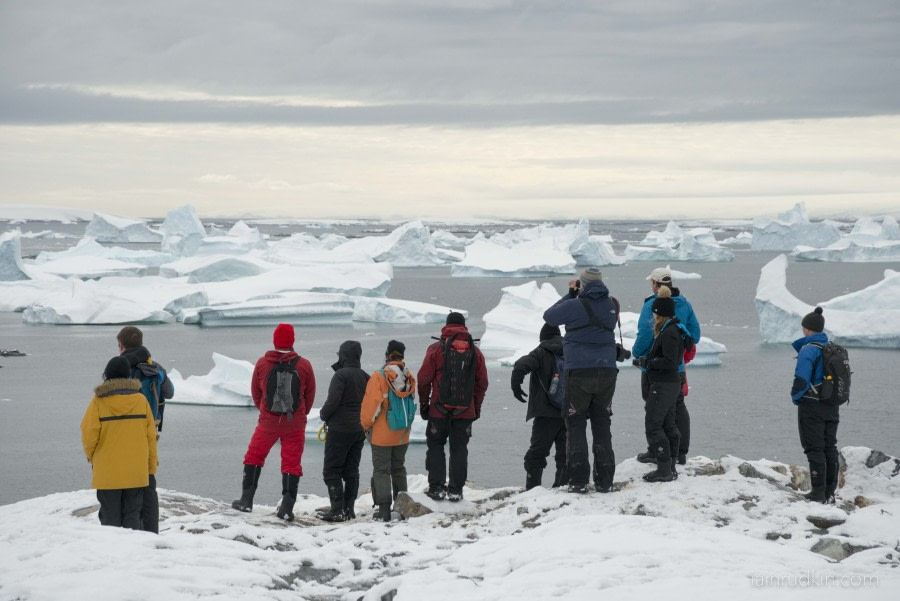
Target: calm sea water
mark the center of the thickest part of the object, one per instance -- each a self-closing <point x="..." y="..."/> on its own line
<point x="740" y="408"/>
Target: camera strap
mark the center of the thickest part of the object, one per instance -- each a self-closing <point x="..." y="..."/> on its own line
<point x="596" y="322"/>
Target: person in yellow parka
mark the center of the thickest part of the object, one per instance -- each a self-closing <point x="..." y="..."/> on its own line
<point x="388" y="446"/>
<point x="118" y="434"/>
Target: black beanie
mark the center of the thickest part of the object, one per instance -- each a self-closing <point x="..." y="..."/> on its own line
<point x="664" y="307"/>
<point x="454" y="318"/>
<point x="395" y="350"/>
<point x="814" y="321"/>
<point x="548" y="332"/>
<point x="117" y="368"/>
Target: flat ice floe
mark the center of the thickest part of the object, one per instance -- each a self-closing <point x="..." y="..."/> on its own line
<point x="514" y="325"/>
<point x="727" y="528"/>
<point x="89" y="248"/>
<point x="676" y="244"/>
<point x="535" y="258"/>
<point x="791" y="229"/>
<point x="866" y="318"/>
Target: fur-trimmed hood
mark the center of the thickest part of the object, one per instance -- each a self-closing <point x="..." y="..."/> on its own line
<point x="117" y="386"/>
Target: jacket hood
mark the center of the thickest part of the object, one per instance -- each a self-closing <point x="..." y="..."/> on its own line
<point x="397" y="376"/>
<point x="117" y="386"/>
<point x="349" y="355"/>
<point x="138" y="354"/>
<point x="820" y="337"/>
<point x="554" y="345"/>
<point x="280" y="356"/>
<point x="450" y="330"/>
<point x="594" y="289"/>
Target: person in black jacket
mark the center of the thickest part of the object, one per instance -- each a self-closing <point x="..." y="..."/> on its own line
<point x="549" y="427"/>
<point x="661" y="362"/>
<point x="344" y="443"/>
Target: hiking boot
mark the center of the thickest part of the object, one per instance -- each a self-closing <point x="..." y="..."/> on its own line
<point x="533" y="478"/>
<point x="603" y="489"/>
<point x="581" y="489"/>
<point x="663" y="473"/>
<point x="336" y="496"/>
<point x="561" y="478"/>
<point x="289" y="484"/>
<point x="384" y="513"/>
<point x="646" y="457"/>
<point x="454" y="496"/>
<point x="817" y="495"/>
<point x="248" y="488"/>
<point x="351" y="488"/>
<point x="682" y="459"/>
<point x="437" y="493"/>
<point x="674" y="471"/>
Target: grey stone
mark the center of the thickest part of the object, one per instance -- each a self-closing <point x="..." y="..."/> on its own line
<point x="389" y="596"/>
<point x="80" y="513"/>
<point x="521" y="510"/>
<point x="831" y="548"/>
<point x="748" y="471"/>
<point x="781" y="469"/>
<point x="876" y="458"/>
<point x="799" y="478"/>
<point x="502" y="494"/>
<point x="709" y="469"/>
<point x="409" y="508"/>
<point x="824" y="522"/>
<point x="861" y="501"/>
<point x="243" y="539"/>
<point x="357" y="564"/>
<point x="309" y="573"/>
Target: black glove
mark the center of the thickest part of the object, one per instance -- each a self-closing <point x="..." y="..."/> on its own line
<point x="640" y="362"/>
<point x="423" y="411"/>
<point x="519" y="394"/>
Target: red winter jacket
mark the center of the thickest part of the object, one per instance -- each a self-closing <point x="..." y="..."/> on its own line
<point x="429" y="378"/>
<point x="261" y="376"/>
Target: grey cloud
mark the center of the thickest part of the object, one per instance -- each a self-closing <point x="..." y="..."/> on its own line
<point x="463" y="62"/>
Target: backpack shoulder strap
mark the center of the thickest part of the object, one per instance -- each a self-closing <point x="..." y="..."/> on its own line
<point x="592" y="318"/>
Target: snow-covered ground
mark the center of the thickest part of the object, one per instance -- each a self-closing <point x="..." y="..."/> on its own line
<point x="726" y="529"/>
<point x="866" y="318"/>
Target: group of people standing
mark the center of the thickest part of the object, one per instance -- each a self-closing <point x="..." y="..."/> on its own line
<point x="573" y="381"/>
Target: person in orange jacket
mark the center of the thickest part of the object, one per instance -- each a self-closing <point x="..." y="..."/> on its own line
<point x="118" y="434"/>
<point x="388" y="446"/>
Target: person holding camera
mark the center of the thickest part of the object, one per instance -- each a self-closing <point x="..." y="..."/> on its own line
<point x="590" y="315"/>
<point x="660" y="278"/>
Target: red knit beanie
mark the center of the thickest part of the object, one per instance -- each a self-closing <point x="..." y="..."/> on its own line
<point x="283" y="336"/>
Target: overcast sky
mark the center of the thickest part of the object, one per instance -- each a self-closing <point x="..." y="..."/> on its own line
<point x="663" y="108"/>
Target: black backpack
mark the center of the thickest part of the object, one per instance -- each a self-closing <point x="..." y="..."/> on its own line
<point x="283" y="389"/>
<point x="835" y="388"/>
<point x="556" y="388"/>
<point x="458" y="375"/>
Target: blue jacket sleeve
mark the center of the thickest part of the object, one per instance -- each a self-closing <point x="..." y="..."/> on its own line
<point x="802" y="374"/>
<point x="692" y="324"/>
<point x="557" y="314"/>
<point x="644" y="339"/>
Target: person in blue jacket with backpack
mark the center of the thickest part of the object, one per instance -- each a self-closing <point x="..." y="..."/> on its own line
<point x="662" y="277"/>
<point x="546" y="365"/>
<point x="818" y="421"/>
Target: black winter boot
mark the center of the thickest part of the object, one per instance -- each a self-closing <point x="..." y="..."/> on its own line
<point x="561" y="478"/>
<point x="817" y="482"/>
<point x="289" y="485"/>
<point x="336" y="496"/>
<point x="384" y="513"/>
<point x="646" y="457"/>
<point x="351" y="489"/>
<point x="663" y="472"/>
<point x="533" y="478"/>
<point x="436" y="492"/>
<point x="248" y="488"/>
<point x="674" y="470"/>
<point x="682" y="458"/>
<point x="831" y="480"/>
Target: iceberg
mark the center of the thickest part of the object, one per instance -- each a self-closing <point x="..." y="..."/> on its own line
<point x="536" y="258"/>
<point x="409" y="245"/>
<point x="676" y="244"/>
<point x="573" y="238"/>
<point x="791" y="229"/>
<point x="445" y="240"/>
<point x="867" y="242"/>
<point x="301" y="308"/>
<point x="88" y="267"/>
<point x="302" y="249"/>
<point x="390" y="310"/>
<point x="108" y="228"/>
<point x="867" y="318"/>
<point x="227" y="384"/>
<point x="182" y="231"/>
<point x="240" y="239"/>
<point x="88" y="247"/>
<point x="888" y="229"/>
<point x="12" y="269"/>
<point x="740" y="239"/>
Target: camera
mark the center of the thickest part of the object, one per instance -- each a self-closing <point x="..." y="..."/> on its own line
<point x="622" y="353"/>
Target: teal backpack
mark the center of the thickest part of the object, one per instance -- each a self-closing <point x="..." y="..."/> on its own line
<point x="402" y="411"/>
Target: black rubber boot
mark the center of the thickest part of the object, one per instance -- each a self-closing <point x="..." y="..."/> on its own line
<point x="436" y="492"/>
<point x="533" y="478"/>
<point x="663" y="472"/>
<point x="831" y="480"/>
<point x="682" y="459"/>
<point x="289" y="485"/>
<point x="817" y="482"/>
<point x="248" y="488"/>
<point x="561" y="478"/>
<point x="647" y="457"/>
<point x="336" y="496"/>
<point x="674" y="470"/>
<point x="351" y="489"/>
<point x="384" y="513"/>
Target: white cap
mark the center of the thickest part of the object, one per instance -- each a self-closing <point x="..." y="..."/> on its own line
<point x="661" y="275"/>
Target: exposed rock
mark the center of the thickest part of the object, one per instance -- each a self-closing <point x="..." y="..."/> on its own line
<point x="773" y="535"/>
<point x="851" y="549"/>
<point x="709" y="469"/>
<point x="389" y="596"/>
<point x="357" y="564"/>
<point x="309" y="573"/>
<point x="243" y="539"/>
<point x="876" y="458"/>
<point x="521" y="510"/>
<point x="860" y="501"/>
<point x="842" y="470"/>
<point x="781" y="469"/>
<point x="748" y="471"/>
<point x="799" y="478"/>
<point x="409" y="508"/>
<point x="824" y="522"/>
<point x="831" y="548"/>
<point x="502" y="494"/>
<point x="531" y="522"/>
<point x="80" y="513"/>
